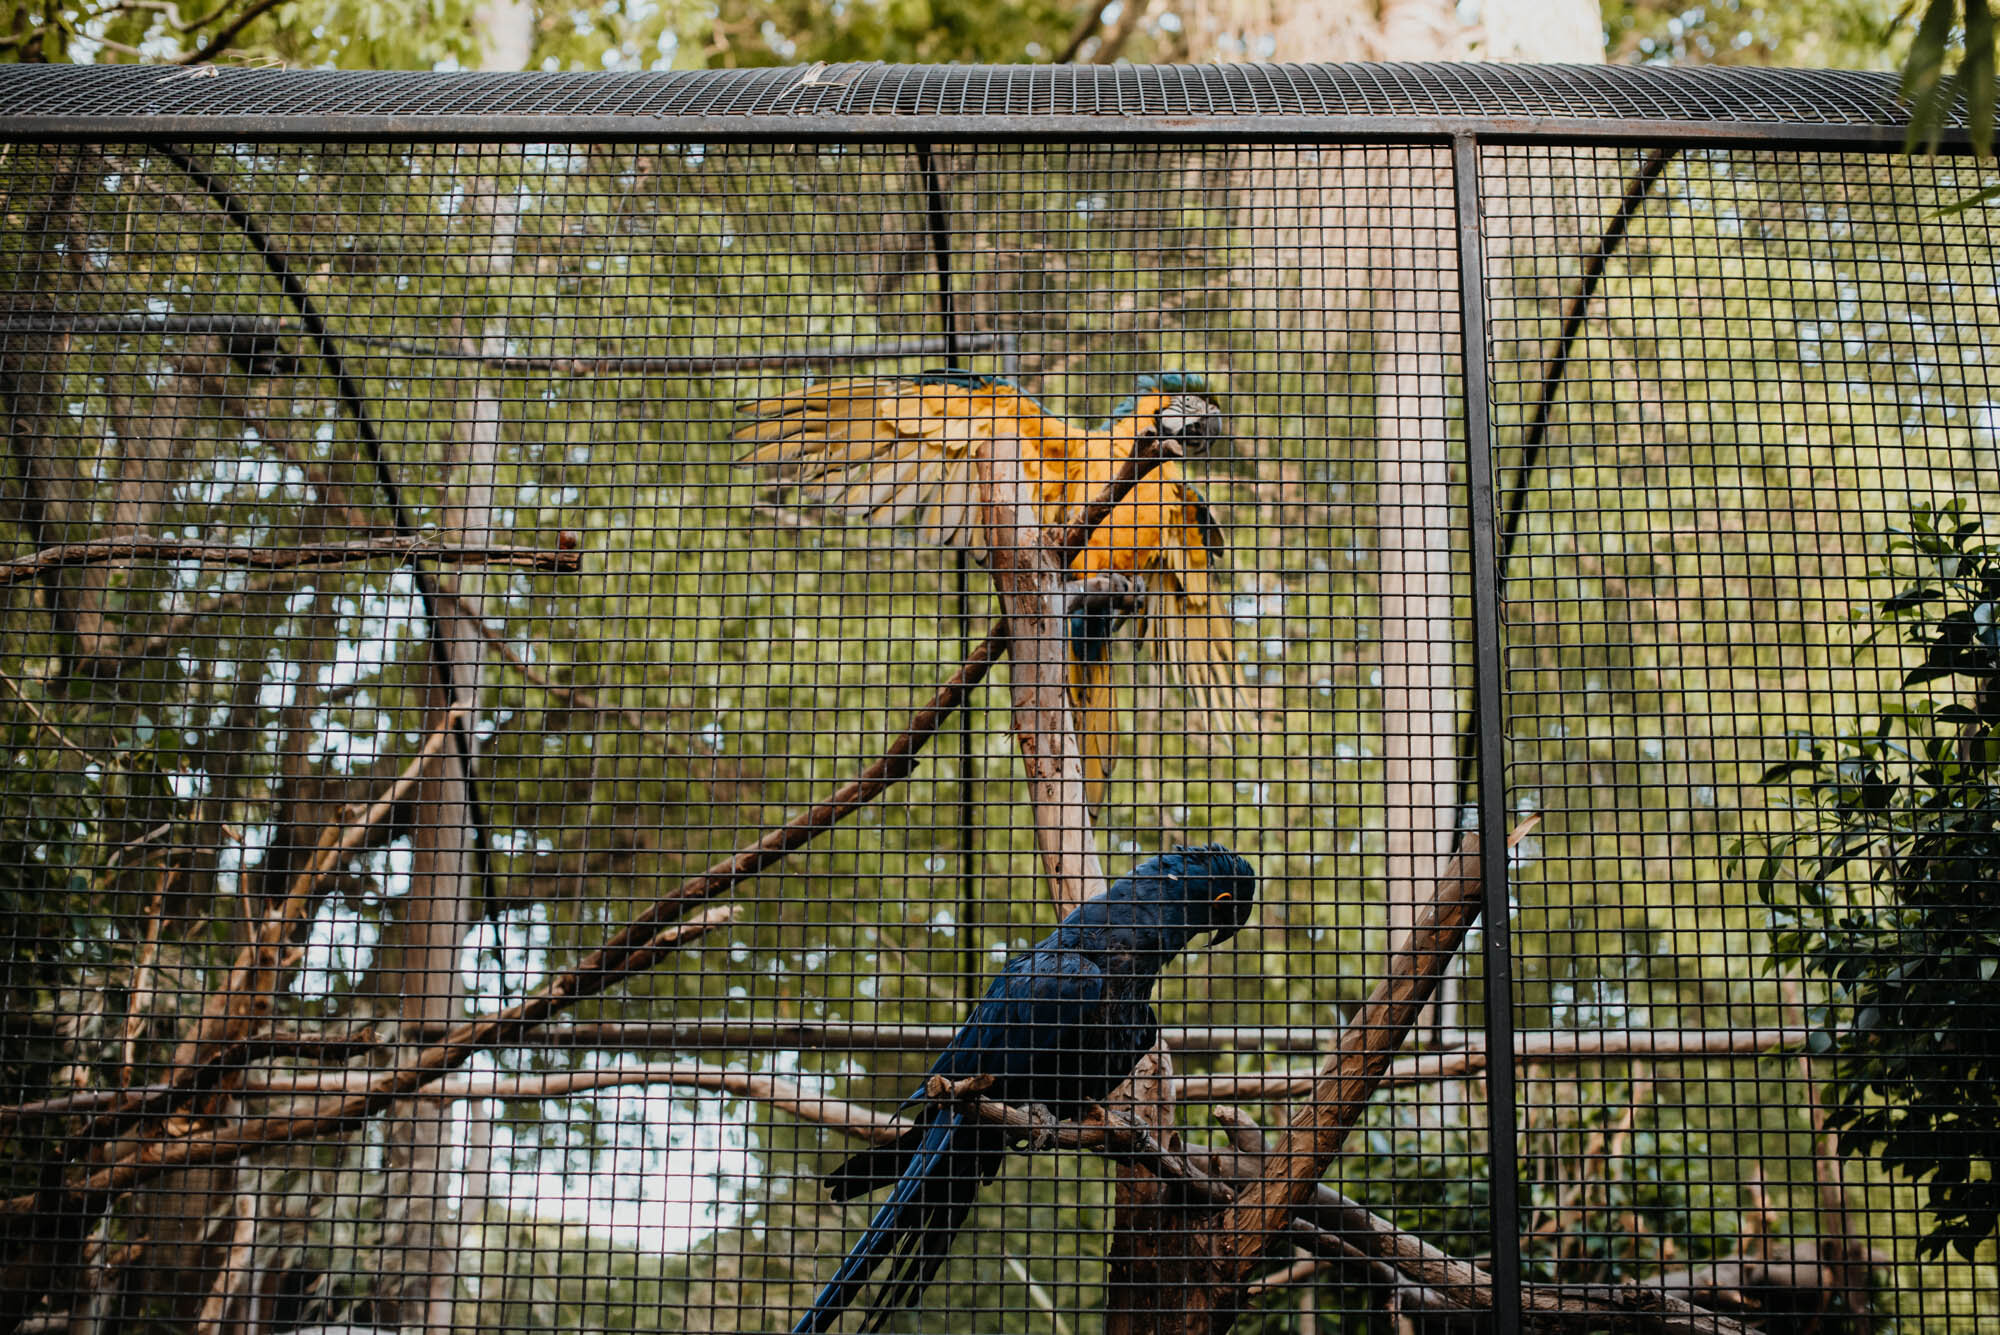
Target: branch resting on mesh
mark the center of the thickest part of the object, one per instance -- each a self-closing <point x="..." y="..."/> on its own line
<point x="106" y="551"/>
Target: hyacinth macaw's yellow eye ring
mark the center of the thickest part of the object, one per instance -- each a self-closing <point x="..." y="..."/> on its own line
<point x="1219" y="898"/>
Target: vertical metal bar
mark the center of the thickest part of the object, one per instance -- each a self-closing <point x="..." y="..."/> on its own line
<point x="1502" y="1147"/>
<point x="968" y="881"/>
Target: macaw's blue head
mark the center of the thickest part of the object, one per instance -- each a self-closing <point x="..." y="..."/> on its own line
<point x="1218" y="888"/>
<point x="1192" y="890"/>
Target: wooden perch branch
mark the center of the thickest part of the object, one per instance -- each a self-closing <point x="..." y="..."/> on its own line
<point x="1028" y="578"/>
<point x="1354" y="1231"/>
<point x="102" y="551"/>
<point x="1419" y="1068"/>
<point x="784" y="1095"/>
<point x="1560" y="1047"/>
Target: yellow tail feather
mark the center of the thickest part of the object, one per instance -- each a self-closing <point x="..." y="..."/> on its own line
<point x="1093" y="702"/>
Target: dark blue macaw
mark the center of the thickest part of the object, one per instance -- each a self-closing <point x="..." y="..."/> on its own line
<point x="1060" y="1027"/>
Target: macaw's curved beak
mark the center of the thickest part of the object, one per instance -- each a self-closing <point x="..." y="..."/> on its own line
<point x="1196" y="424"/>
<point x="1232" y="917"/>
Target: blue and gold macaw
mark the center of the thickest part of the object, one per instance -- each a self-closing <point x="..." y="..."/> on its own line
<point x="1060" y="1027"/>
<point x="902" y="449"/>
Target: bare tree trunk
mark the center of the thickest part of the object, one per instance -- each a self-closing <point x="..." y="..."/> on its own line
<point x="506" y="34"/>
<point x="1411" y="203"/>
<point x="421" y="1235"/>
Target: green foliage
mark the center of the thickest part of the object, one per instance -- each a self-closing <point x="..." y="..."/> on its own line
<point x="616" y="34"/>
<point x="1889" y="894"/>
<point x="780" y="32"/>
<point x="1845" y="34"/>
<point x="1931" y="83"/>
<point x="347" y="34"/>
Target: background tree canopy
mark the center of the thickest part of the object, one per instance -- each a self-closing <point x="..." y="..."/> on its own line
<point x="650" y="34"/>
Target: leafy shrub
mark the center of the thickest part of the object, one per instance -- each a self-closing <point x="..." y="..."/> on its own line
<point x="1887" y="891"/>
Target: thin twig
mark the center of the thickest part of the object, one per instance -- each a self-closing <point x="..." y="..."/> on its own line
<point x="48" y="725"/>
<point x="1093" y="19"/>
<point x="100" y="551"/>
<point x="217" y="44"/>
<point x="158" y="641"/>
<point x="575" y="695"/>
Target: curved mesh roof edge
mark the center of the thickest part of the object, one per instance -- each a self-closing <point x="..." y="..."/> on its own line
<point x="1716" y="96"/>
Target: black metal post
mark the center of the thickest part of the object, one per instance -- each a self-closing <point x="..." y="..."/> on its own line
<point x="940" y="232"/>
<point x="1503" y="1162"/>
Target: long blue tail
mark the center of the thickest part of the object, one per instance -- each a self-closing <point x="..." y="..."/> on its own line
<point x="915" y="1225"/>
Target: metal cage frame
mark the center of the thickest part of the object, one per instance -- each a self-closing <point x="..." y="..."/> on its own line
<point x="1461" y="111"/>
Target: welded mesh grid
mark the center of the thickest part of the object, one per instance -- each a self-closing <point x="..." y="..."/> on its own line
<point x="1714" y="95"/>
<point x="724" y="657"/>
<point x="552" y="342"/>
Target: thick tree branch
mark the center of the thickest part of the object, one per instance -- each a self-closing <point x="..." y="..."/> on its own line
<point x="219" y="43"/>
<point x="1349" y="1077"/>
<point x="1093" y="19"/>
<point x="1028" y="577"/>
<point x="104" y="551"/>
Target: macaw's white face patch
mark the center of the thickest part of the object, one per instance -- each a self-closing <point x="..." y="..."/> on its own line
<point x="1188" y="411"/>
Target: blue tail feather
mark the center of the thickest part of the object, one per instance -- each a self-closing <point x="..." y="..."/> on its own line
<point x="915" y="1225"/>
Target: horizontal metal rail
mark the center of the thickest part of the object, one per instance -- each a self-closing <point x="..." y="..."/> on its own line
<point x="1438" y="131"/>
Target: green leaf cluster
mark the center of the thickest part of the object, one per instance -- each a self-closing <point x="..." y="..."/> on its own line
<point x="1931" y="84"/>
<point x="1887" y="892"/>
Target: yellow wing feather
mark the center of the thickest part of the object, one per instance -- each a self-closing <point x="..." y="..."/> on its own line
<point x="889" y="451"/>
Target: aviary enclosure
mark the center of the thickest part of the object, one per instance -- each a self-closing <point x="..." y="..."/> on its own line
<point x="559" y="631"/>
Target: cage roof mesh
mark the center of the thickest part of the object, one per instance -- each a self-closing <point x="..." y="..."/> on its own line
<point x="1528" y="93"/>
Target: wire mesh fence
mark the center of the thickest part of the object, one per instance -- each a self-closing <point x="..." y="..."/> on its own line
<point x="547" y="679"/>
